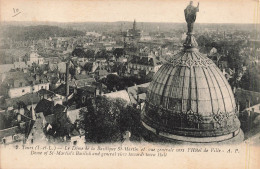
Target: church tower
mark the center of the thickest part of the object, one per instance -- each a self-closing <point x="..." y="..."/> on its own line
<point x="134" y="25"/>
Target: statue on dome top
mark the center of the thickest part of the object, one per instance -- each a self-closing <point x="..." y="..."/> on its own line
<point x="190" y="15"/>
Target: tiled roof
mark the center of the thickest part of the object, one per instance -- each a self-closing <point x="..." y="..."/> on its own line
<point x="73" y="115"/>
<point x="148" y="61"/>
<point x="18" y="78"/>
<point x="8" y="132"/>
<point x="243" y="96"/>
<point x="59" y="108"/>
<point x="82" y="82"/>
<point x="6" y="68"/>
<point x="50" y="118"/>
<point x="62" y="67"/>
<point x="20" y="65"/>
<point x="47" y="92"/>
<point x="90" y="89"/>
<point x="27" y="99"/>
<point x="102" y="72"/>
<point x="133" y="91"/>
<point x="122" y="94"/>
<point x="16" y="75"/>
<point x="74" y="133"/>
<point x="79" y="77"/>
<point x="44" y="106"/>
<point x="61" y="90"/>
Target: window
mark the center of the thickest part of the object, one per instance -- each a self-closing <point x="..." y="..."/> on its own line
<point x="15" y="137"/>
<point x="23" y="90"/>
<point x="42" y="87"/>
<point x="33" y="88"/>
<point x="4" y="140"/>
<point x="74" y="143"/>
<point x="83" y="99"/>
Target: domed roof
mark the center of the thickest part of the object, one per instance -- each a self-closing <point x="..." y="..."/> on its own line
<point x="194" y="80"/>
<point x="191" y="88"/>
<point x="190" y="99"/>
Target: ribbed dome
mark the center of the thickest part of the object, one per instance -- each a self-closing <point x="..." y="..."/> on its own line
<point x="194" y="80"/>
<point x="191" y="97"/>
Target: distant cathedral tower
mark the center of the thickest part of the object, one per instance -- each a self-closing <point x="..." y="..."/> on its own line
<point x="133" y="33"/>
<point x="134" y="26"/>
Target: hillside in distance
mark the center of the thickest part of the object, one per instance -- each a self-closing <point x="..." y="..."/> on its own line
<point x="20" y="33"/>
<point x="43" y="30"/>
<point x="146" y="26"/>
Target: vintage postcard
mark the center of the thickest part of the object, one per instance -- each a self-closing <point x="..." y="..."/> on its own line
<point x="129" y="84"/>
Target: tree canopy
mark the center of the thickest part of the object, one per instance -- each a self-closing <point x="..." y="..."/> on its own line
<point x="115" y="82"/>
<point x="105" y="119"/>
<point x="118" y="52"/>
<point x="251" y="79"/>
<point x="79" y="52"/>
<point x="8" y="119"/>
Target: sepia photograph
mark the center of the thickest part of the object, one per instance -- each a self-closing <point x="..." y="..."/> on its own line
<point x="129" y="84"/>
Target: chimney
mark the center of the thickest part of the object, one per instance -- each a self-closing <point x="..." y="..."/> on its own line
<point x="19" y="117"/>
<point x="33" y="114"/>
<point x="137" y="98"/>
<point x="247" y="103"/>
<point x="67" y="80"/>
<point x="101" y="89"/>
<point x="3" y="77"/>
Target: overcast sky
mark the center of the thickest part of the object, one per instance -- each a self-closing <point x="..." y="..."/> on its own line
<point x="211" y="11"/>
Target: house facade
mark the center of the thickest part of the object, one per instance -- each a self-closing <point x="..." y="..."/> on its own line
<point x="19" y="91"/>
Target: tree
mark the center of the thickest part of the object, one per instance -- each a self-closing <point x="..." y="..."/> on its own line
<point x="113" y="82"/>
<point x="60" y="127"/>
<point x="251" y="79"/>
<point x="130" y="120"/>
<point x="8" y="119"/>
<point x="105" y="119"/>
<point x="203" y="41"/>
<point x="90" y="53"/>
<point x="79" y="53"/>
<point x="72" y="71"/>
<point x="118" y="52"/>
<point x="102" y="54"/>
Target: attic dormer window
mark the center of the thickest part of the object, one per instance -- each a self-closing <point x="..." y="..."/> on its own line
<point x="4" y="140"/>
<point x="15" y="137"/>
